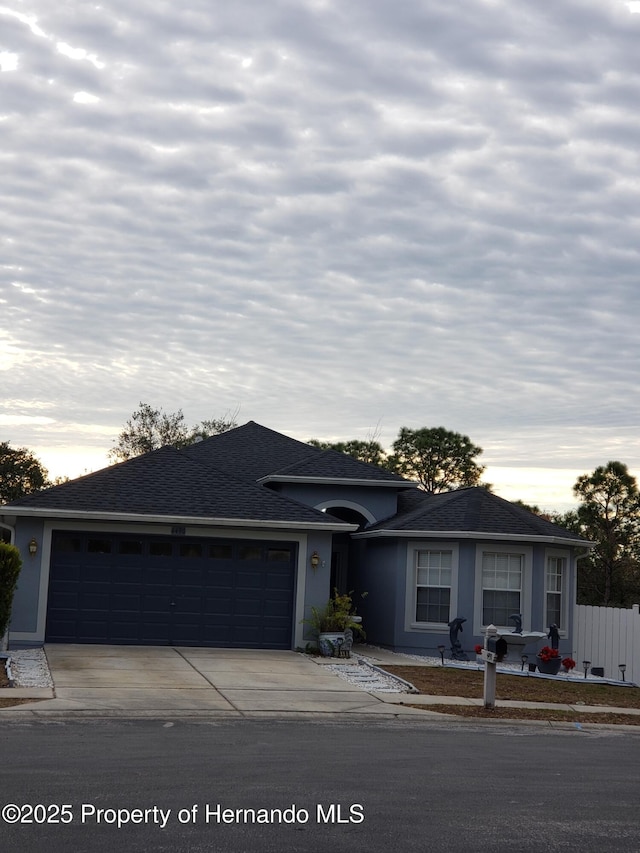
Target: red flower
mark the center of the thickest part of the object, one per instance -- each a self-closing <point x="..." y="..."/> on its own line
<point x="479" y="649"/>
<point x="568" y="663"/>
<point x="546" y="654"/>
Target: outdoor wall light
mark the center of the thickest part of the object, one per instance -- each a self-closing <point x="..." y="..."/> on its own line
<point x="622" y="667"/>
<point x="314" y="559"/>
<point x="585" y="665"/>
<point x="441" y="649"/>
<point x="33" y="547"/>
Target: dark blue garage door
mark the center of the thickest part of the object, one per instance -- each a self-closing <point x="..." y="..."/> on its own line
<point x="154" y="590"/>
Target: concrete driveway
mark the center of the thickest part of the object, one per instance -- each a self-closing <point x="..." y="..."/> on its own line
<point x="223" y="682"/>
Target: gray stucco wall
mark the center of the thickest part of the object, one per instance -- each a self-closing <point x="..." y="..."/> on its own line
<point x="24" y="613"/>
<point x="385" y="569"/>
<point x="380" y="502"/>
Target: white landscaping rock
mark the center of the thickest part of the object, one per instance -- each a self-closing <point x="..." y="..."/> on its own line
<point x="30" y="668"/>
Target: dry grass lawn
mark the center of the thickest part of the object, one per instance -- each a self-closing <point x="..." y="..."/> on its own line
<point x="447" y="681"/>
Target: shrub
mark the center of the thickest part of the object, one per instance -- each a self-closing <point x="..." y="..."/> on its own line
<point x="10" y="565"/>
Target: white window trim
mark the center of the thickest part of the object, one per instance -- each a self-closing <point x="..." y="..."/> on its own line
<point x="527" y="582"/>
<point x="564" y="601"/>
<point x="410" y="623"/>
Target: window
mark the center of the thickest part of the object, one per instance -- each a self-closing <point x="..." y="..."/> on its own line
<point x="433" y="586"/>
<point x="220" y="552"/>
<point x="68" y="545"/>
<point x="502" y="576"/>
<point x="190" y="549"/>
<point x="555" y="575"/>
<point x="250" y="552"/>
<point x="99" y="546"/>
<point x="278" y="555"/>
<point x="130" y="547"/>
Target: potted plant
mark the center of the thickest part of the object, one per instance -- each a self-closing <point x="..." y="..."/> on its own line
<point x="329" y="624"/>
<point x="568" y="664"/>
<point x="548" y="660"/>
<point x="478" y="650"/>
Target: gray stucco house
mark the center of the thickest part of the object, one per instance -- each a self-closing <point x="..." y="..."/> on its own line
<point x="231" y="541"/>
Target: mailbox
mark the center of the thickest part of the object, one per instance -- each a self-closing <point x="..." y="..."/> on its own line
<point x="497" y="648"/>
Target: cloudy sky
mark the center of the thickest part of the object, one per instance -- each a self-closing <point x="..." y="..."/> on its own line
<point x="338" y="218"/>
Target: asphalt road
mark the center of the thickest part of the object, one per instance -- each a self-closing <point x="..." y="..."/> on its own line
<point x="187" y="785"/>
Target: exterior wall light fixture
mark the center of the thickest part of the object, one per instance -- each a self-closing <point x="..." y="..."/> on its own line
<point x="33" y="547"/>
<point x="314" y="559"/>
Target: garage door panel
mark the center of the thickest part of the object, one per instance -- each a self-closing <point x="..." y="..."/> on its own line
<point x="188" y="604"/>
<point x="218" y="579"/>
<point x="94" y="630"/>
<point x="95" y="601"/>
<point x="124" y="632"/>
<point x="126" y="603"/>
<point x="220" y="605"/>
<point x="127" y="574"/>
<point x="118" y="588"/>
<point x="65" y="600"/>
<point x="249" y="607"/>
<point x="249" y="580"/>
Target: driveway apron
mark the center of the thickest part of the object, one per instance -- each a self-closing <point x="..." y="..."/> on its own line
<point x="222" y="682"/>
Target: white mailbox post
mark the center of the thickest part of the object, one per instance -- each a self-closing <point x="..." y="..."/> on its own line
<point x="490" y="658"/>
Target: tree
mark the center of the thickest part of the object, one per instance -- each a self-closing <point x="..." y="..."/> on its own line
<point x="438" y="459"/>
<point x="148" y="429"/>
<point x="365" y="451"/>
<point x="20" y="473"/>
<point x="609" y="515"/>
<point x="10" y="566"/>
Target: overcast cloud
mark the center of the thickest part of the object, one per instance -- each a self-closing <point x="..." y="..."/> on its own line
<point x="340" y="217"/>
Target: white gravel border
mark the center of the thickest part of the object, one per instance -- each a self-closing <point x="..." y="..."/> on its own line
<point x="30" y="668"/>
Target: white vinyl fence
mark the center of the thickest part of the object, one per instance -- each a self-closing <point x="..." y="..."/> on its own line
<point x="608" y="636"/>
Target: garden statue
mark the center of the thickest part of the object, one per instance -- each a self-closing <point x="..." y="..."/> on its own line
<point x="554" y="636"/>
<point x="455" y="628"/>
<point x="517" y="619"/>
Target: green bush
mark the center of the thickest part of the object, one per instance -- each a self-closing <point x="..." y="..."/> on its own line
<point x="335" y="616"/>
<point x="10" y="565"/>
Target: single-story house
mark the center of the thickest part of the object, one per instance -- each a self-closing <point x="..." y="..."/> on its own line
<point x="229" y="543"/>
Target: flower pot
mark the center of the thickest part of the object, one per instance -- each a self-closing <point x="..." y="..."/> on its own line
<point x="549" y="667"/>
<point x="330" y="642"/>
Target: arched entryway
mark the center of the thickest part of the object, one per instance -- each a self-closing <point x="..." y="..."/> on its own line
<point x="343" y="550"/>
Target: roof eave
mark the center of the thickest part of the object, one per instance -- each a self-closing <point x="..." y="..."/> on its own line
<point x="91" y="515"/>
<point x="337" y="481"/>
<point x="472" y="534"/>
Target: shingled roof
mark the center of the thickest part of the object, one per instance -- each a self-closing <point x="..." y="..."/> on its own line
<point x="256" y="453"/>
<point x="251" y="452"/>
<point x="168" y="483"/>
<point x="335" y="467"/>
<point x="468" y="512"/>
